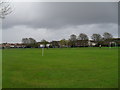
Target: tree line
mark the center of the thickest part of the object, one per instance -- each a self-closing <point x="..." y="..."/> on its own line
<point x="82" y="40"/>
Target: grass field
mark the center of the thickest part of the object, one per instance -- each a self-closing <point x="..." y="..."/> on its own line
<point x="60" y="68"/>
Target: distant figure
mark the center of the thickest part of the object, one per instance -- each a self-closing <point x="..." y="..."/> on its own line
<point x="100" y="46"/>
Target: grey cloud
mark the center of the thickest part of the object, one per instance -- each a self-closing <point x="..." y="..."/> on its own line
<point x="54" y="21"/>
<point x="15" y="34"/>
<point x="62" y="14"/>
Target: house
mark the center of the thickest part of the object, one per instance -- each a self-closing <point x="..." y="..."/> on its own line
<point x="11" y="45"/>
<point x="55" y="44"/>
<point x="91" y="43"/>
<point x="42" y="45"/>
<point x="47" y="45"/>
<point x="18" y="45"/>
<point x="82" y="43"/>
<point x="0" y="46"/>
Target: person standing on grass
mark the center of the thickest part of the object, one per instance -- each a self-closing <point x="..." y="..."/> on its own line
<point x="100" y="46"/>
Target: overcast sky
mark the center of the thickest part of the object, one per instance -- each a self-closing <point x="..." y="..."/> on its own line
<point x="58" y="20"/>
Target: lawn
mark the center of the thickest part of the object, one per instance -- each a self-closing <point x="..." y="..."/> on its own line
<point x="60" y="68"/>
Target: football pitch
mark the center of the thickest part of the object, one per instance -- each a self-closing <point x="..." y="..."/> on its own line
<point x="91" y="67"/>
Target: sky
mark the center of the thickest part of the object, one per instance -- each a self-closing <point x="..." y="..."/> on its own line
<point x="58" y="20"/>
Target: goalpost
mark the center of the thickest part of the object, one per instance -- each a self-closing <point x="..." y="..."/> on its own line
<point x="42" y="51"/>
<point x="42" y="46"/>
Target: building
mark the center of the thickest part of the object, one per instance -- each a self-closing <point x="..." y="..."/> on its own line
<point x="12" y="45"/>
<point x="91" y="43"/>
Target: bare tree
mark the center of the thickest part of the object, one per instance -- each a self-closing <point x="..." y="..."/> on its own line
<point x="28" y="41"/>
<point x="107" y="35"/>
<point x="72" y="40"/>
<point x="5" y="8"/>
<point x="82" y="40"/>
<point x="73" y="37"/>
<point x="96" y="37"/>
<point x="25" y="41"/>
<point x="32" y="41"/>
<point x="82" y="36"/>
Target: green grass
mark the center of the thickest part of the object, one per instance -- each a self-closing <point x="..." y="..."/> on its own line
<point x="60" y="68"/>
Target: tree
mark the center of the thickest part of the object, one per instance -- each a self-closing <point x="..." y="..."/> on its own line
<point x="63" y="43"/>
<point x="28" y="41"/>
<point x="73" y="37"/>
<point x="25" y="41"/>
<point x="82" y="40"/>
<point x="107" y="35"/>
<point x="96" y="37"/>
<point x="107" y="39"/>
<point x="55" y="44"/>
<point x="43" y="41"/>
<point x="72" y="40"/>
<point x="82" y="36"/>
<point x="5" y="8"/>
<point x="32" y="41"/>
